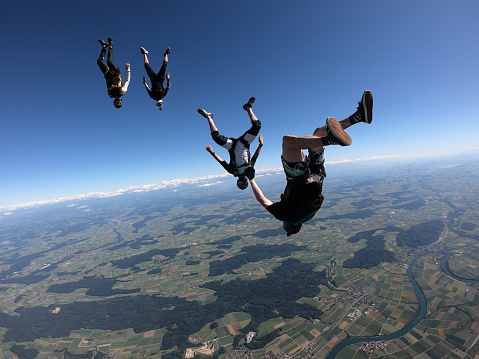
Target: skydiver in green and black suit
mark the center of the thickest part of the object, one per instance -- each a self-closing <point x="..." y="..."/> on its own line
<point x="302" y="196"/>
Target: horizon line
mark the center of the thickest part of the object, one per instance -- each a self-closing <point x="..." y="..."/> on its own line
<point x="151" y="187"/>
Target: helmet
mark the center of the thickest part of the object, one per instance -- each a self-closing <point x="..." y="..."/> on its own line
<point x="242" y="182"/>
<point x="159" y="103"/>
<point x="117" y="102"/>
<point x="291" y="228"/>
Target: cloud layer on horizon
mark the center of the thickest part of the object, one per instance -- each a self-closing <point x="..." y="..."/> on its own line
<point x="156" y="186"/>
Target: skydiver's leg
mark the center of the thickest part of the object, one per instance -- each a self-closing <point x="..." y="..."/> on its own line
<point x="165" y="55"/>
<point x="145" y="58"/>
<point x="364" y="112"/>
<point x="219" y="139"/>
<point x="316" y="161"/>
<point x="323" y="131"/>
<point x="252" y="116"/>
<point x="162" y="72"/>
<point x="211" y="123"/>
<point x="150" y="72"/>
<point x="109" y="60"/>
<point x="291" y="154"/>
<point x="100" y="62"/>
<point x="251" y="134"/>
<point x="331" y="134"/>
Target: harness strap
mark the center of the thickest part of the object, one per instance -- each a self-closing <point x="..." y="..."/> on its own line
<point x="119" y="84"/>
<point x="233" y="155"/>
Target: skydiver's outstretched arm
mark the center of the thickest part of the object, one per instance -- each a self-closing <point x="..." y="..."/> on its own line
<point x="168" y="83"/>
<point x="128" y="76"/>
<point x="258" y="150"/>
<point x="209" y="149"/>
<point x="146" y="85"/>
<point x="259" y="194"/>
<point x="221" y="161"/>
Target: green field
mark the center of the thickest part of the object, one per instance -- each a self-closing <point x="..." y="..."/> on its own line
<point x="202" y="269"/>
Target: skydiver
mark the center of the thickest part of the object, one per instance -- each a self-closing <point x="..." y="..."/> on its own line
<point x="115" y="84"/>
<point x="238" y="148"/>
<point x="157" y="91"/>
<point x="302" y="196"/>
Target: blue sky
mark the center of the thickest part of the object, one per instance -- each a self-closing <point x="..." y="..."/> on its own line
<point x="303" y="61"/>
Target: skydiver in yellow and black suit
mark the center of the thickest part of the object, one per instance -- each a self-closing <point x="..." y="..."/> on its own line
<point x="115" y="84"/>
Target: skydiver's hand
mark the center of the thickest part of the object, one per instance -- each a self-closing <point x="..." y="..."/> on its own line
<point x="249" y="172"/>
<point x="127" y="66"/>
<point x="168" y="75"/>
<point x="209" y="148"/>
<point x="260" y="139"/>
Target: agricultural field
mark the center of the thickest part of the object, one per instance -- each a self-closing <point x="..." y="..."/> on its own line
<point x="159" y="273"/>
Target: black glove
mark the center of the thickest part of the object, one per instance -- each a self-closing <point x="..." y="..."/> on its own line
<point x="249" y="172"/>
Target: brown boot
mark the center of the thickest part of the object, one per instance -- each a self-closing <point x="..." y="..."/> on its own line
<point x="336" y="134"/>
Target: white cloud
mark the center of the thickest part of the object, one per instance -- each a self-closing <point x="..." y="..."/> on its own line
<point x="210" y="184"/>
<point x="159" y="185"/>
<point x="347" y="160"/>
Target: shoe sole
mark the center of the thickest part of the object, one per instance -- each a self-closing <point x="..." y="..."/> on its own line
<point x="143" y="51"/>
<point x="337" y="132"/>
<point x="367" y="102"/>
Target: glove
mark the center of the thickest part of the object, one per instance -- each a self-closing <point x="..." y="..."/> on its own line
<point x="249" y="172"/>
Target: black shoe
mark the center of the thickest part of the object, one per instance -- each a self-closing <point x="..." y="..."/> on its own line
<point x="336" y="134"/>
<point x="365" y="108"/>
<point x="143" y="51"/>
<point x="249" y="104"/>
<point x="110" y="42"/>
<point x="103" y="43"/>
<point x="204" y="113"/>
<point x="167" y="52"/>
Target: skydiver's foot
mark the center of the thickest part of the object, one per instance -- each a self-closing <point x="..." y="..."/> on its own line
<point x="110" y="42"/>
<point x="143" y="51"/>
<point x="364" y="112"/>
<point x="103" y="43"/>
<point x="167" y="52"/>
<point x="249" y="104"/>
<point x="204" y="113"/>
<point x="336" y="134"/>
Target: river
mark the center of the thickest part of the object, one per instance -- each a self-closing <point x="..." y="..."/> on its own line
<point x="422" y="306"/>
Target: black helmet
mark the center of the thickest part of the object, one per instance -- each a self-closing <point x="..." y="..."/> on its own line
<point x="117" y="102"/>
<point x="291" y="228"/>
<point x="242" y="182"/>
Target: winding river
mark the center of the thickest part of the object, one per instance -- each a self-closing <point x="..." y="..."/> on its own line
<point x="422" y="306"/>
<point x="445" y="268"/>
